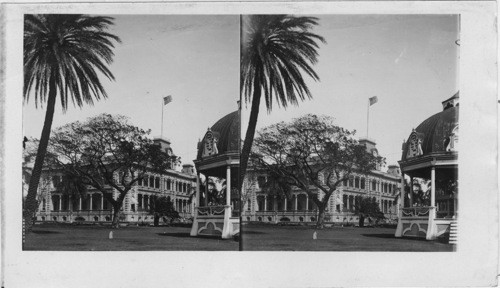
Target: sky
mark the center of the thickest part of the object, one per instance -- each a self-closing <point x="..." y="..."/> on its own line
<point x="409" y="62"/>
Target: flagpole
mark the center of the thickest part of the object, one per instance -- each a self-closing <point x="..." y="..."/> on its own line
<point x="367" y="118"/>
<point x="162" y="104"/>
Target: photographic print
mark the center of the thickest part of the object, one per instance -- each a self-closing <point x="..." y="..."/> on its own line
<point x="334" y="96"/>
<point x="236" y="144"/>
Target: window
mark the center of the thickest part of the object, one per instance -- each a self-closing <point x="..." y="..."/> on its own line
<point x="351" y="182"/>
<point x="261" y="180"/>
<point x="168" y="184"/>
<point x="151" y="181"/>
<point x="56" y="180"/>
<point x="356" y="182"/>
<point x="374" y="185"/>
<point x="139" y="182"/>
<point x="344" y="182"/>
<point x="157" y="182"/>
<point x="362" y="183"/>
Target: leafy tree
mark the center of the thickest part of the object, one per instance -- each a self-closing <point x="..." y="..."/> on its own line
<point x="107" y="153"/>
<point x="162" y="207"/>
<point x="62" y="56"/>
<point x="312" y="154"/>
<point x="275" y="50"/>
<point x="367" y="207"/>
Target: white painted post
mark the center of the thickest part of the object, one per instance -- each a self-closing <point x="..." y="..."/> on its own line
<point x="433" y="186"/>
<point x="228" y="185"/>
<point x="90" y="202"/>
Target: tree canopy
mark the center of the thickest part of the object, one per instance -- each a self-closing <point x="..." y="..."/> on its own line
<point x="107" y="153"/>
<point x="312" y="154"/>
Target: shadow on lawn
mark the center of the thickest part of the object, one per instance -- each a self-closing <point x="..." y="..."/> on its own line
<point x="45" y="232"/>
<point x="391" y="236"/>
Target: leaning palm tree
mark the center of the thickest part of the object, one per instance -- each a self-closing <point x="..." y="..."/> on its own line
<point x="63" y="55"/>
<point x="275" y="49"/>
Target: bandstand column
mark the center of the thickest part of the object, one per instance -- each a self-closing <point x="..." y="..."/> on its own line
<point x="60" y="202"/>
<point x="433" y="186"/>
<point x="90" y="204"/>
<point x="403" y="196"/>
<point x="307" y="202"/>
<point x="228" y="185"/>
<point x="285" y="204"/>
<point x="102" y="202"/>
<point x="295" y="202"/>
<point x="80" y="203"/>
<point x="411" y="191"/>
<point x="265" y="202"/>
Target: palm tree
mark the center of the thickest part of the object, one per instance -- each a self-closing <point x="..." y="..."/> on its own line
<point x="62" y="56"/>
<point x="274" y="51"/>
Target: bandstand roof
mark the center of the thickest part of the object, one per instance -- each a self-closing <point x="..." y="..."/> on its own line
<point x="226" y="132"/>
<point x="431" y="140"/>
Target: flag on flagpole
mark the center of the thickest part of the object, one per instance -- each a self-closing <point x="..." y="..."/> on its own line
<point x="373" y="100"/>
<point x="167" y="99"/>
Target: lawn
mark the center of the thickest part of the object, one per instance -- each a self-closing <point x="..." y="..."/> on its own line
<point x="65" y="237"/>
<point x="261" y="237"/>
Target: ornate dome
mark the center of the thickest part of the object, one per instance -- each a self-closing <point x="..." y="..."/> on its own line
<point x="225" y="132"/>
<point x="437" y="134"/>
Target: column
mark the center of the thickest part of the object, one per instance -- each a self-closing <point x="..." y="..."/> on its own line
<point x="411" y="191"/>
<point x="60" y="203"/>
<point x="433" y="186"/>
<point x="80" y="203"/>
<point x="228" y="185"/>
<point x="307" y="202"/>
<point x="295" y="202"/>
<point x="285" y="203"/>
<point x="403" y="196"/>
<point x="265" y="202"/>
<point x="102" y="202"/>
<point x="90" y="202"/>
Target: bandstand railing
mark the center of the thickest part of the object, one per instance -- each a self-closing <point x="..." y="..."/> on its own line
<point x="416" y="212"/>
<point x="211" y="210"/>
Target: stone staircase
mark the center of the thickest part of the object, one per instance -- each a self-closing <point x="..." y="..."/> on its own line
<point x="453" y="233"/>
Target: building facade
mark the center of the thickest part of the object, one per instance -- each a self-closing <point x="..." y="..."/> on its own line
<point x="384" y="187"/>
<point x="178" y="184"/>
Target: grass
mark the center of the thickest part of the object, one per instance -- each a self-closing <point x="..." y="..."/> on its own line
<point x="259" y="237"/>
<point x="256" y="237"/>
<point x="64" y="237"/>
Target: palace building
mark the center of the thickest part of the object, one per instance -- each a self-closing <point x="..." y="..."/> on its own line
<point x="176" y="183"/>
<point x="383" y="186"/>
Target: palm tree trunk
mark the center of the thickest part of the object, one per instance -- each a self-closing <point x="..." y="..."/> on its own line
<point x="31" y="202"/>
<point x="249" y="136"/>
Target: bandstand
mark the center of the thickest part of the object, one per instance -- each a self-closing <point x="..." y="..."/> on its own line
<point x="217" y="214"/>
<point x="431" y="154"/>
